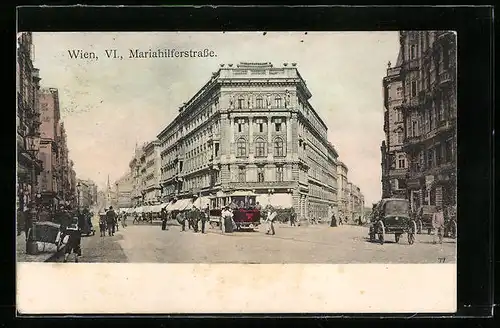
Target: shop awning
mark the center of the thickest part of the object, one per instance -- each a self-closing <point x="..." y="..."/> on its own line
<point x="138" y="209"/>
<point x="182" y="205"/>
<point x="281" y="200"/>
<point x="263" y="200"/>
<point x="242" y="193"/>
<point x="168" y="206"/>
<point x="157" y="208"/>
<point x="202" y="202"/>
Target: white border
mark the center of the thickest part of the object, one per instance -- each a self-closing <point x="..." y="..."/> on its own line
<point x="72" y="288"/>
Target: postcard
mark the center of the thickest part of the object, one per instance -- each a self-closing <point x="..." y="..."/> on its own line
<point x="236" y="172"/>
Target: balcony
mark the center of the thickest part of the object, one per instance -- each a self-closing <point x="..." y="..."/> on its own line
<point x="411" y="103"/>
<point x="445" y="78"/>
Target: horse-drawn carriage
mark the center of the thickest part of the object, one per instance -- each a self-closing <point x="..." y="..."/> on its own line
<point x="392" y="216"/>
<point x="424" y="218"/>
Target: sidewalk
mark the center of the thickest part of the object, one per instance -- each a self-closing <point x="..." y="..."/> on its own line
<point x="47" y="251"/>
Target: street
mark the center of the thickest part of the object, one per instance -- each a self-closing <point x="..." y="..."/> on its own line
<point x="145" y="243"/>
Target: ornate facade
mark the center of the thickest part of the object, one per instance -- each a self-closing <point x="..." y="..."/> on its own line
<point x="429" y="106"/>
<point x="28" y="120"/>
<point x="251" y="127"/>
<point x="394" y="161"/>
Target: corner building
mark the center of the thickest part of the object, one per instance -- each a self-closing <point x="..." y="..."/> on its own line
<point x="394" y="161"/>
<point x="251" y="128"/>
<point x="429" y="108"/>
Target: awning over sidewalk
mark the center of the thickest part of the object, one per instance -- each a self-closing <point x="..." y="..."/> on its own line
<point x="182" y="205"/>
<point x="202" y="202"/>
<point x="263" y="200"/>
<point x="242" y="193"/>
<point x="168" y="206"/>
<point x="284" y="200"/>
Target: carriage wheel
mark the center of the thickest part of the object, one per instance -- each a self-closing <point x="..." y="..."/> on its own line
<point x="411" y="233"/>
<point x="381" y="233"/>
<point x="411" y="238"/>
<point x="419" y="230"/>
<point x="396" y="237"/>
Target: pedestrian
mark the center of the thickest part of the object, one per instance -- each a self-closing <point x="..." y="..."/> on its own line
<point x="102" y="225"/>
<point x="293" y="217"/>
<point x="117" y="221"/>
<point x="111" y="221"/>
<point x="438" y="224"/>
<point x="333" y="222"/>
<point x="163" y="215"/>
<point x="73" y="245"/>
<point x="192" y="219"/>
<point x="181" y="218"/>
<point x="271" y="217"/>
<point x="124" y="217"/>
<point x="227" y="220"/>
<point x="204" y="218"/>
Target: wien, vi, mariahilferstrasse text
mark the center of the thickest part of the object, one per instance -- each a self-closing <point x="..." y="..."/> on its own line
<point x="142" y="54"/>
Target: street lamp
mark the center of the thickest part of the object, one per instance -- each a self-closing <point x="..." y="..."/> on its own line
<point x="78" y="185"/>
<point x="32" y="147"/>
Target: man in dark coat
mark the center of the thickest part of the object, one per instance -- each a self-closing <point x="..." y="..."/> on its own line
<point x="164" y="219"/>
<point x="333" y="222"/>
<point x="194" y="218"/>
<point x="293" y="217"/>
<point x="74" y="241"/>
<point x="111" y="221"/>
<point x="204" y="218"/>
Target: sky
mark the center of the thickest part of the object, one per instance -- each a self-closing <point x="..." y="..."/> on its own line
<point x="108" y="105"/>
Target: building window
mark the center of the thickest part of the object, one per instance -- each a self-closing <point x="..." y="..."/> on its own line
<point x="429" y="158"/>
<point x="278" y="147"/>
<point x="241" y="101"/>
<point x="439" y="152"/>
<point x="277" y="126"/>
<point x="242" y="174"/>
<point x="279" y="173"/>
<point x="277" y="102"/>
<point x="449" y="151"/>
<point x="260" y="174"/>
<point x="399" y="115"/>
<point x="260" y="148"/>
<point x="414" y="127"/>
<point x="400" y="137"/>
<point x="260" y="103"/>
<point x="401" y="162"/>
<point x="446" y="58"/>
<point x="241" y="147"/>
<point x="412" y="51"/>
<point x="413" y="88"/>
<point x="261" y="127"/>
<point x="401" y="184"/>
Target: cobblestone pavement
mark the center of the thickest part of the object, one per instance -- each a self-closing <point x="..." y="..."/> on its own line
<point x="313" y="244"/>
